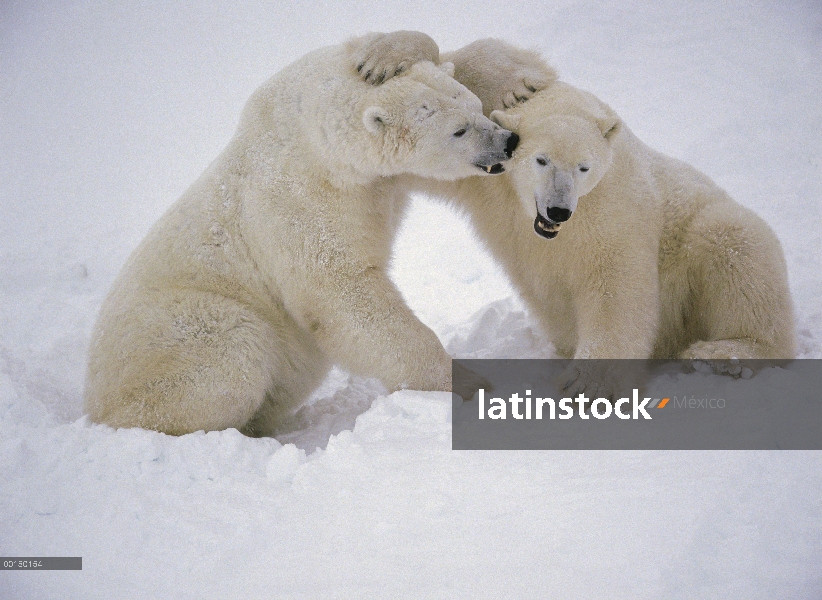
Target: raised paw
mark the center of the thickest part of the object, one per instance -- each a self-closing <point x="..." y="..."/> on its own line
<point x="522" y="88"/>
<point x="501" y="75"/>
<point x="382" y="56"/>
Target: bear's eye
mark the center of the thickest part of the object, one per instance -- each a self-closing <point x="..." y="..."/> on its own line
<point x="583" y="168"/>
<point x="541" y="161"/>
<point x="460" y="132"/>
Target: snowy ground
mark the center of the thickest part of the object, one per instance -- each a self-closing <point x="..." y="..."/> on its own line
<point x="109" y="111"/>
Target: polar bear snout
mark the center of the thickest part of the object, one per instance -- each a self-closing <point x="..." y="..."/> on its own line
<point x="559" y="215"/>
<point x="511" y="144"/>
<point x="499" y="145"/>
<point x="555" y="197"/>
<point x="548" y="226"/>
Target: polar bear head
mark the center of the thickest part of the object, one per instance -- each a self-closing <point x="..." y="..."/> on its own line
<point x="426" y="123"/>
<point x="565" y="150"/>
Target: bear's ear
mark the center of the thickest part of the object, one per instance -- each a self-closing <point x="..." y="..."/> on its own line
<point x="375" y="119"/>
<point x="506" y="120"/>
<point x="609" y="126"/>
<point x="447" y="68"/>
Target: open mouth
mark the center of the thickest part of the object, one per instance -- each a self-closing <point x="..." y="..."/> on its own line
<point x="546" y="228"/>
<point x="492" y="169"/>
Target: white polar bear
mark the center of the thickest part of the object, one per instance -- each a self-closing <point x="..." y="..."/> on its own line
<point x="272" y="266"/>
<point x="656" y="262"/>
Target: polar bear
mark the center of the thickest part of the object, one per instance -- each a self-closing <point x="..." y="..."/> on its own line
<point x="272" y="266"/>
<point x="653" y="259"/>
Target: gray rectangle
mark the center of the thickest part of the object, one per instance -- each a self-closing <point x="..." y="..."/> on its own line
<point x="42" y="563"/>
<point x="640" y="405"/>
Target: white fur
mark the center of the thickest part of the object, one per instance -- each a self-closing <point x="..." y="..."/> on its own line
<point x="656" y="260"/>
<point x="272" y="266"/>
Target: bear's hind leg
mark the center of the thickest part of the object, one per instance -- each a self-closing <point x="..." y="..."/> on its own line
<point x="300" y="369"/>
<point x="741" y="301"/>
<point x="181" y="362"/>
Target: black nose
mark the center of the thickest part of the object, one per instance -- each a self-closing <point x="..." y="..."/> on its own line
<point x="511" y="144"/>
<point x="559" y="215"/>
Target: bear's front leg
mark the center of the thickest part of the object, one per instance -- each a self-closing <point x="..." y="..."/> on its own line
<point x="499" y="74"/>
<point x="359" y="319"/>
<point x="614" y="321"/>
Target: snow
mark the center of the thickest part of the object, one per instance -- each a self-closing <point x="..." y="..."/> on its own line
<point x="109" y="111"/>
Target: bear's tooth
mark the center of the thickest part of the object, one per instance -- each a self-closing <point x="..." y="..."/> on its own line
<point x="488" y="168"/>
